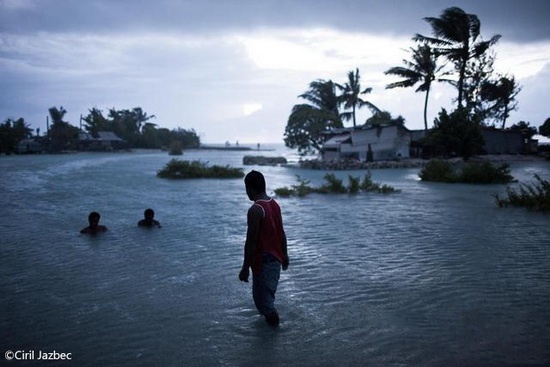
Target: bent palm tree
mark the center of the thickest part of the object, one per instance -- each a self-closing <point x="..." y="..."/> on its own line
<point x="307" y="121"/>
<point x="322" y="95"/>
<point x="351" y="92"/>
<point x="456" y="34"/>
<point x="421" y="69"/>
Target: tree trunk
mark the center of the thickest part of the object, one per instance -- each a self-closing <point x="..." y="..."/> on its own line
<point x="426" y="109"/>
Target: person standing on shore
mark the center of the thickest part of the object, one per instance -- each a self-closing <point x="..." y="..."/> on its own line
<point x="265" y="249"/>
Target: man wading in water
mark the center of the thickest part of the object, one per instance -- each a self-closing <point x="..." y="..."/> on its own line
<point x="265" y="249"/>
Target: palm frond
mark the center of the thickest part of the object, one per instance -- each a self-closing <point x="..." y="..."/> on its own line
<point x="431" y="40"/>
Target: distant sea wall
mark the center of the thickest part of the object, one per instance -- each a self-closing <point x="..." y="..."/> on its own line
<point x="357" y="165"/>
<point x="263" y="161"/>
<point x="351" y="164"/>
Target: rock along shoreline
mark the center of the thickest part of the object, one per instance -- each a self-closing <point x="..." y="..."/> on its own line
<point x="318" y="164"/>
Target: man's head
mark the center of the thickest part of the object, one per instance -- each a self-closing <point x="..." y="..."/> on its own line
<point x="254" y="182"/>
<point x="93" y="219"/>
<point x="149" y="214"/>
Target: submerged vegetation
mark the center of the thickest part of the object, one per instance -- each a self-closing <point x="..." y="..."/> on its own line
<point x="178" y="169"/>
<point x="534" y="197"/>
<point x="335" y="185"/>
<point x="470" y="172"/>
<point x="176" y="148"/>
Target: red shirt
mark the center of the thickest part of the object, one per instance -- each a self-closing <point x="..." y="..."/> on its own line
<point x="270" y="235"/>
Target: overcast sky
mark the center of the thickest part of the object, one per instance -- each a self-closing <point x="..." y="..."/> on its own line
<point x="233" y="69"/>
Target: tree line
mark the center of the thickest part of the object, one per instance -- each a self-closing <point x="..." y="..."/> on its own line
<point x="455" y="54"/>
<point x="133" y="126"/>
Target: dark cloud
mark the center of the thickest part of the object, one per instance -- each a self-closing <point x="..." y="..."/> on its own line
<point x="176" y="58"/>
<point x="515" y="20"/>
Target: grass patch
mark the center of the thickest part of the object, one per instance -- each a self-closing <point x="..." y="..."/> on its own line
<point x="334" y="185"/>
<point x="178" y="169"/>
<point x="470" y="172"/>
<point x="534" y="197"/>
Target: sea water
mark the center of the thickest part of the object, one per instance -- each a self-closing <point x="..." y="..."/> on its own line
<point x="435" y="275"/>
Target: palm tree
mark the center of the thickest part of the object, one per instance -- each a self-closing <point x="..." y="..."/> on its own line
<point x="141" y="118"/>
<point x="95" y="122"/>
<point x="322" y="95"/>
<point x="421" y="69"/>
<point x="61" y="134"/>
<point x="501" y="95"/>
<point x="307" y="122"/>
<point x="351" y="92"/>
<point x="456" y="37"/>
<point x="57" y="115"/>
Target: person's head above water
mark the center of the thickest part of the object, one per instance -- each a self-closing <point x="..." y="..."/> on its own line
<point x="93" y="224"/>
<point x="93" y="219"/>
<point x="149" y="213"/>
<point x="254" y="182"/>
<point x="148" y="220"/>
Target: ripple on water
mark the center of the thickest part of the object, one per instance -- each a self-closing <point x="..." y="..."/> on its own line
<point x="435" y="275"/>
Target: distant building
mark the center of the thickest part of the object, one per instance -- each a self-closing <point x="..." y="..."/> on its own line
<point x="502" y="141"/>
<point x="30" y="146"/>
<point x="105" y="141"/>
<point x="507" y="142"/>
<point x="388" y="142"/>
<point x="373" y="143"/>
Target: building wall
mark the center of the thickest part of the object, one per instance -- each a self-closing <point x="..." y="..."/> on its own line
<point x="503" y="142"/>
<point x="386" y="143"/>
<point x="389" y="142"/>
<point x="31" y="146"/>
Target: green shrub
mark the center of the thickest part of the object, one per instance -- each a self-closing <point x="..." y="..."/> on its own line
<point x="284" y="191"/>
<point x="178" y="169"/>
<point x="485" y="173"/>
<point x="176" y="148"/>
<point x="370" y="186"/>
<point x="438" y="171"/>
<point x="353" y="185"/>
<point x="367" y="184"/>
<point x="386" y="189"/>
<point x="535" y="197"/>
<point x="334" y="185"/>
<point x="470" y="172"/>
<point x="303" y="188"/>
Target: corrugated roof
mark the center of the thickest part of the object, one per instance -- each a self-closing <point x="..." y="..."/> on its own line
<point x="108" y="136"/>
<point x="336" y="140"/>
<point x="102" y="136"/>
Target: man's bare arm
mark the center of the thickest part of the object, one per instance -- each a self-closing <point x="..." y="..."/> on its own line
<point x="286" y="261"/>
<point x="254" y="217"/>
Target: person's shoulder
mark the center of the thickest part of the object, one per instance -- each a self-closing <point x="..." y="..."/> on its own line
<point x="274" y="203"/>
<point x="256" y="209"/>
<point x="89" y="230"/>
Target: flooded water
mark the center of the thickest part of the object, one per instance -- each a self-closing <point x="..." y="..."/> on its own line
<point x="436" y="275"/>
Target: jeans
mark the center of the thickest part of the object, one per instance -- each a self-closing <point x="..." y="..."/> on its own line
<point x="264" y="285"/>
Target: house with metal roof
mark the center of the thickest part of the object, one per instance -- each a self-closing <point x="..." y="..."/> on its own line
<point x="30" y="146"/>
<point x="103" y="141"/>
<point x="368" y="143"/>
